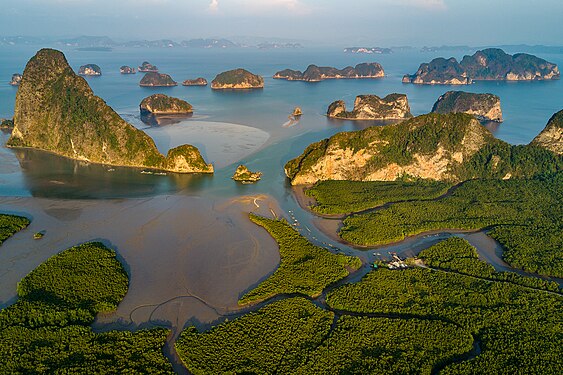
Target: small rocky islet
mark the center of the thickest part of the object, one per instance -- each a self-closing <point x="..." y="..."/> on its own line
<point x="244" y="175"/>
<point x="147" y="67"/>
<point x="372" y="107"/>
<point x="16" y="79"/>
<point x="314" y="73"/>
<point x="154" y="79"/>
<point x="127" y="70"/>
<point x="90" y="70"/>
<point x="237" y="79"/>
<point x="200" y="81"/>
<point x="485" y="107"/>
<point x="158" y="104"/>
<point x="491" y="64"/>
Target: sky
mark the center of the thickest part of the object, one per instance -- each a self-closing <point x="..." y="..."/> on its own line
<point x="342" y="22"/>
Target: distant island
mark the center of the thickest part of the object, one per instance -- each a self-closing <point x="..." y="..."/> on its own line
<point x="372" y="107"/>
<point x="491" y="64"/>
<point x="238" y="79"/>
<point x="195" y="82"/>
<point x="147" y="67"/>
<point x="368" y="50"/>
<point x="90" y="70"/>
<point x="154" y="79"/>
<point x="16" y="79"/>
<point x="485" y="107"/>
<point x="57" y="111"/>
<point x="273" y="45"/>
<point x="315" y="73"/>
<point x="164" y="104"/>
<point x="127" y="70"/>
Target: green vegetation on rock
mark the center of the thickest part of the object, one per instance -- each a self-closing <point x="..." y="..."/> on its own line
<point x="525" y="216"/>
<point x="304" y="268"/>
<point x="237" y="79"/>
<point x="551" y="138"/>
<point x="343" y="197"/>
<point x="11" y="224"/>
<point x="57" y="111"/>
<point x="446" y="147"/>
<point x="47" y="329"/>
<point x="160" y="103"/>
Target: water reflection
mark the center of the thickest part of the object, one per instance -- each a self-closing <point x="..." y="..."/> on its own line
<point x="48" y="175"/>
<point x="163" y="120"/>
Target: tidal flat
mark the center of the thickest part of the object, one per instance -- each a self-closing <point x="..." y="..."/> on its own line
<point x="203" y="254"/>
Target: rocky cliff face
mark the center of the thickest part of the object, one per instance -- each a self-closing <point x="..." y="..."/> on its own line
<point x="195" y="82"/>
<point x="57" y="111"/>
<point x="90" y="70"/>
<point x="237" y="79"/>
<point x="157" y="80"/>
<point x="16" y="79"/>
<point x="485" y="107"/>
<point x="439" y="71"/>
<point x="495" y="65"/>
<point x="430" y="146"/>
<point x="315" y="73"/>
<point x="551" y="136"/>
<point x="488" y="64"/>
<point x="164" y="104"/>
<point x="372" y="107"/>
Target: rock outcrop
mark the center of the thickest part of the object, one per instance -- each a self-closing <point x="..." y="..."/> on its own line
<point x="372" y="107"/>
<point x="16" y="79"/>
<point x="551" y="137"/>
<point x="490" y="64"/>
<point x="157" y="80"/>
<point x="163" y="104"/>
<point x="195" y="82"/>
<point x="6" y="124"/>
<point x="432" y="146"/>
<point x="237" y="79"/>
<point x="56" y="111"/>
<point x="439" y="71"/>
<point x="90" y="70"/>
<point x="485" y="107"/>
<point x="243" y="174"/>
<point x="315" y="73"/>
<point x="147" y="67"/>
<point x="127" y="70"/>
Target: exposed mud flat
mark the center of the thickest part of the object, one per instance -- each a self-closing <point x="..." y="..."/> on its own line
<point x="189" y="258"/>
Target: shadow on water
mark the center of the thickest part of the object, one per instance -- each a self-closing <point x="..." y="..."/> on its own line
<point x="50" y="176"/>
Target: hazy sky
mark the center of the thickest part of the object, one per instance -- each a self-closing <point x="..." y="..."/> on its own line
<point x="374" y="22"/>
